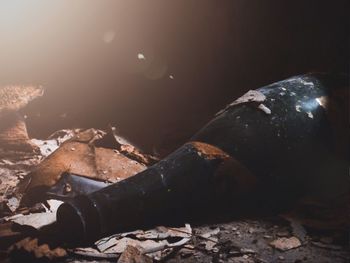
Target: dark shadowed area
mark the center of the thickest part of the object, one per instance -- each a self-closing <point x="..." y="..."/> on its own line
<point x="159" y="70"/>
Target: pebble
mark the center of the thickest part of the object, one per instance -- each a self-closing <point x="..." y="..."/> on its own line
<point x="189" y="246"/>
<point x="285" y="244"/>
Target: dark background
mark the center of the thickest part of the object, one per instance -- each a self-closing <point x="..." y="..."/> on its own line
<point x="215" y="51"/>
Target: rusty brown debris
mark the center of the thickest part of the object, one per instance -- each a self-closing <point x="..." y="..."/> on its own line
<point x="13" y="130"/>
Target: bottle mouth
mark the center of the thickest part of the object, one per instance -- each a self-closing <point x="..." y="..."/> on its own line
<point x="78" y="220"/>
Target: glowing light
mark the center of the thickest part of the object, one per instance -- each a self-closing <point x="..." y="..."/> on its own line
<point x="13" y="12"/>
<point x="141" y="56"/>
<point x="322" y="101"/>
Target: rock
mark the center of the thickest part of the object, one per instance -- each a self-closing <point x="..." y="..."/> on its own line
<point x="285" y="244"/>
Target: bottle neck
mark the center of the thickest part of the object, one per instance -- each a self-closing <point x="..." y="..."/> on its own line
<point x="189" y="180"/>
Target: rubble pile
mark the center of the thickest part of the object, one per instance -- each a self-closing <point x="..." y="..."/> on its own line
<point x="41" y="178"/>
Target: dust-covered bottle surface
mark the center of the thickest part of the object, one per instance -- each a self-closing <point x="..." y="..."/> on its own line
<point x="270" y="146"/>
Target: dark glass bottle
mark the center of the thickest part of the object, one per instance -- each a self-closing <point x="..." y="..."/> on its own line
<point x="272" y="144"/>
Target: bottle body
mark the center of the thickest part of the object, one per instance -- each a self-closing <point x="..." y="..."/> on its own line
<point x="277" y="137"/>
<point x="301" y="140"/>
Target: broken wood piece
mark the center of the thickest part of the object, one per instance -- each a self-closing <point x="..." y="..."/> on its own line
<point x="92" y="253"/>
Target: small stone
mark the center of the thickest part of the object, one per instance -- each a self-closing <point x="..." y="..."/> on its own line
<point x="281" y="257"/>
<point x="67" y="188"/>
<point x="189" y="246"/>
<point x="13" y="204"/>
<point x="285" y="244"/>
